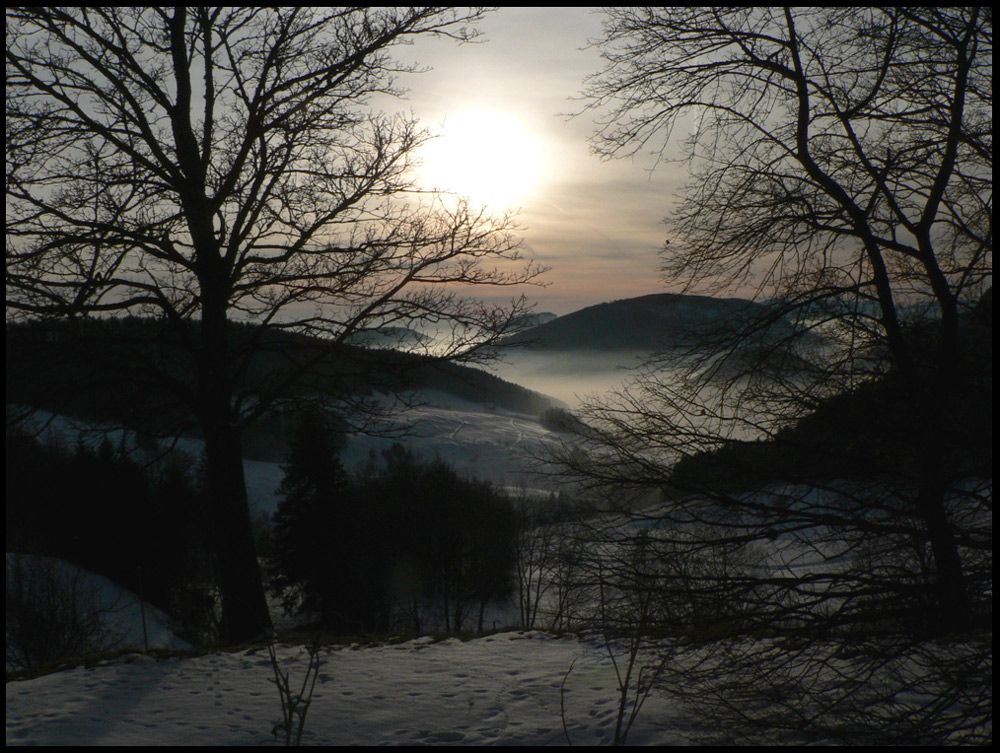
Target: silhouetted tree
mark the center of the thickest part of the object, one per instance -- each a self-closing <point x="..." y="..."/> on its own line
<point x="207" y="164"/>
<point x="534" y="547"/>
<point x="550" y="563"/>
<point x="141" y="527"/>
<point x="453" y="536"/>
<point x="350" y="552"/>
<point x="327" y="560"/>
<point x="843" y="170"/>
<point x="487" y="548"/>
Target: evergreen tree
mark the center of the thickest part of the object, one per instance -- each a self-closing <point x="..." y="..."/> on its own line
<point x="314" y="487"/>
<point x="329" y="560"/>
<point x="341" y="549"/>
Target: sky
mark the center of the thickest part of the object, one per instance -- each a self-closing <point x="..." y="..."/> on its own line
<point x="596" y="223"/>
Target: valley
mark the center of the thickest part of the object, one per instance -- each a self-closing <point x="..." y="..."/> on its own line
<point x="499" y="430"/>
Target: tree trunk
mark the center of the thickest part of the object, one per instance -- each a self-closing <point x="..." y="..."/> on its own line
<point x="245" y="616"/>
<point x="953" y="603"/>
<point x="954" y="609"/>
<point x="933" y="395"/>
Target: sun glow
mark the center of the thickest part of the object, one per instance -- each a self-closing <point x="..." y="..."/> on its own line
<point x="485" y="155"/>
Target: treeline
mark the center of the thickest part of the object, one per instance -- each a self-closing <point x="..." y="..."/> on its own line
<point x="145" y="528"/>
<point x="138" y="372"/>
<point x="405" y="545"/>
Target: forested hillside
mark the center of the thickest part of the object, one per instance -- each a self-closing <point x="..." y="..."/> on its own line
<point x="866" y="433"/>
<point x="650" y="322"/>
<point x="133" y="370"/>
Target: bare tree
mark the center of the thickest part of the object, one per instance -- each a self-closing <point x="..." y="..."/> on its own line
<point x="629" y="612"/>
<point x="535" y="548"/>
<point x="842" y="164"/>
<point x="550" y="548"/>
<point x="844" y="167"/>
<point x="210" y="165"/>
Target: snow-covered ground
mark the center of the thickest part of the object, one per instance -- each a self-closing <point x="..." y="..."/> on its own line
<point x="124" y="620"/>
<point x="507" y="688"/>
<point x="498" y="689"/>
<point x="485" y="442"/>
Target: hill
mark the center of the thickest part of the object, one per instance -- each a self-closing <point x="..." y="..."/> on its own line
<point x="647" y="323"/>
<point x="134" y="372"/>
<point x="869" y="432"/>
<point x="533" y="320"/>
<point x="589" y="351"/>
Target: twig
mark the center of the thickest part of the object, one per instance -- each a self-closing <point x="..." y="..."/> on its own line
<point x="294" y="707"/>
<point x="562" y="701"/>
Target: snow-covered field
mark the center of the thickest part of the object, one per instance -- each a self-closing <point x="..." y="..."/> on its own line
<point x="503" y="688"/>
<point x="488" y="443"/>
<point x="507" y="688"/>
<point x="498" y="689"/>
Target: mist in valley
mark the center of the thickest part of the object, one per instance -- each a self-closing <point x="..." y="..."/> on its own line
<point x="571" y="377"/>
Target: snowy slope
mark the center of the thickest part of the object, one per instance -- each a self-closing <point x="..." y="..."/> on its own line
<point x="491" y="444"/>
<point x="127" y="622"/>
<point x="499" y="689"/>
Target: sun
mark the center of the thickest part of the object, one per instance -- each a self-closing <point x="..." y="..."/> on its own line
<point x="485" y="155"/>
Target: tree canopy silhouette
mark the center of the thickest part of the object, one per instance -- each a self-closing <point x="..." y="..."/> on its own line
<point x="842" y="170"/>
<point x="208" y="164"/>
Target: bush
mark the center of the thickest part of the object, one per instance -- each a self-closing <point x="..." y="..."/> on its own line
<point x="562" y="421"/>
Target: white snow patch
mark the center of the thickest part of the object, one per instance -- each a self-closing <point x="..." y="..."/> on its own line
<point x="499" y="689"/>
<point x="123" y="614"/>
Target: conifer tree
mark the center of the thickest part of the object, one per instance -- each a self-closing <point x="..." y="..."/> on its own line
<point x="208" y="166"/>
<point x="314" y="489"/>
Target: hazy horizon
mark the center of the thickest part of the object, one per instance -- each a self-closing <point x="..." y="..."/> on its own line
<point x="597" y="224"/>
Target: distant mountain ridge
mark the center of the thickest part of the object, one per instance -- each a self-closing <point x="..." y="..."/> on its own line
<point x="650" y="322"/>
<point x="534" y="320"/>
